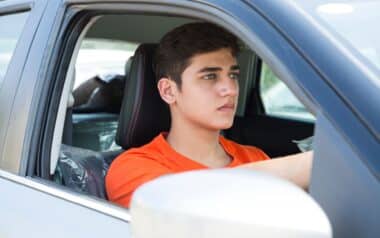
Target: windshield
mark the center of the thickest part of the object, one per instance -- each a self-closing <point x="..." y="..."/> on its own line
<point x="355" y="21"/>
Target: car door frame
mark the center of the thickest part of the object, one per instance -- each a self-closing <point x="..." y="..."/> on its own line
<point x="13" y="77"/>
<point x="40" y="116"/>
<point x="346" y="146"/>
<point x="41" y="207"/>
<point x="30" y="128"/>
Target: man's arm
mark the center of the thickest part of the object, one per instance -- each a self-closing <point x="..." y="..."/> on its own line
<point x="295" y="168"/>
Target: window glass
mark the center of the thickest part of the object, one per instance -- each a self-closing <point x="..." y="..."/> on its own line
<point x="97" y="92"/>
<point x="278" y="100"/>
<point x="10" y="30"/>
<point x="102" y="57"/>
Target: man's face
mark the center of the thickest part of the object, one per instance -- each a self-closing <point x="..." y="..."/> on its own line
<point x="209" y="90"/>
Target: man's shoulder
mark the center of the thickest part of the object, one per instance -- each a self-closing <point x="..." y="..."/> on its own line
<point x="150" y="151"/>
<point x="133" y="168"/>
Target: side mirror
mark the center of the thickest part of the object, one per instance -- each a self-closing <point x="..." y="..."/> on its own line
<point x="225" y="203"/>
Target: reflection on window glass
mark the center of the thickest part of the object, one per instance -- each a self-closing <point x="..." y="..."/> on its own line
<point x="10" y="30"/>
<point x="102" y="57"/>
<point x="278" y="100"/>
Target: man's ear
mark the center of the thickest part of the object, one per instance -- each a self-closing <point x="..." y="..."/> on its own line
<point x="167" y="89"/>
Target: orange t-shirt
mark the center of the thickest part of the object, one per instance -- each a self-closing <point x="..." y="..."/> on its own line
<point x="140" y="165"/>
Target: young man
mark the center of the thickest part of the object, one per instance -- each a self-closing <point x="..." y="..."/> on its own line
<point x="198" y="76"/>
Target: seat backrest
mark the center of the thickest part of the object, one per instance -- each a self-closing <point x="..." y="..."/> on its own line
<point x="143" y="113"/>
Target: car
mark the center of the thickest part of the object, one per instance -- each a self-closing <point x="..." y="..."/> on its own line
<point x="60" y="127"/>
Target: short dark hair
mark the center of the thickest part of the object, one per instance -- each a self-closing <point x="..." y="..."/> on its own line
<point x="182" y="43"/>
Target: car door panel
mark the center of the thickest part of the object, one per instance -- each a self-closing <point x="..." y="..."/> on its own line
<point x="343" y="185"/>
<point x="31" y="209"/>
<point x="341" y="181"/>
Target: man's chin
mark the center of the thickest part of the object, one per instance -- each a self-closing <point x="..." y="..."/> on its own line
<point x="218" y="124"/>
<point x="224" y="125"/>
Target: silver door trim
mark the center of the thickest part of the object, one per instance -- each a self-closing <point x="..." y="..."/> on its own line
<point x="46" y="187"/>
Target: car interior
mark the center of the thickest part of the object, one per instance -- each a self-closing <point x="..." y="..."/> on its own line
<point x="110" y="112"/>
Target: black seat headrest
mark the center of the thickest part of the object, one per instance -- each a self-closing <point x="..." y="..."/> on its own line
<point x="143" y="113"/>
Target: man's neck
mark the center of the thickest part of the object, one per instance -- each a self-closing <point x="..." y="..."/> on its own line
<point x="198" y="144"/>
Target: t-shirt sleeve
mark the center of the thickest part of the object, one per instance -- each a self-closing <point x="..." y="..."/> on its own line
<point x="127" y="173"/>
<point x="260" y="155"/>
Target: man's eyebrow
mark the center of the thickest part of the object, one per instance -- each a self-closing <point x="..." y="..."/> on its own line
<point x="209" y="69"/>
<point x="235" y="67"/>
<point x="213" y="69"/>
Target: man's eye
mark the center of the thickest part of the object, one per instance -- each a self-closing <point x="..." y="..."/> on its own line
<point x="234" y="76"/>
<point x="209" y="76"/>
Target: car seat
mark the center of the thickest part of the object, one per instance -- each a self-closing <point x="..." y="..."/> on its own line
<point x="143" y="113"/>
<point x="82" y="169"/>
<point x="96" y="111"/>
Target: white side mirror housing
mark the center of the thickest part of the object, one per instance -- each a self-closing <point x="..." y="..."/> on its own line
<point x="225" y="203"/>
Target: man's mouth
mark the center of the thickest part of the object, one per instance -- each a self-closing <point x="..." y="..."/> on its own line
<point x="227" y="107"/>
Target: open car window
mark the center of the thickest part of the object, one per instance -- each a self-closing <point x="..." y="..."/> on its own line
<point x="101" y="70"/>
<point x="277" y="98"/>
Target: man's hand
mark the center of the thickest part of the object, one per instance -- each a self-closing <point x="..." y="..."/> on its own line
<point x="295" y="168"/>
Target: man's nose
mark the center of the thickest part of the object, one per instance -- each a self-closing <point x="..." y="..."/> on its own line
<point x="229" y="87"/>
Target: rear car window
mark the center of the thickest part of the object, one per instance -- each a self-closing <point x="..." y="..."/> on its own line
<point x="11" y="26"/>
<point x="102" y="57"/>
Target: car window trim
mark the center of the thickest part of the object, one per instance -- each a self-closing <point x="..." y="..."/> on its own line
<point x="15" y="6"/>
<point x="62" y="108"/>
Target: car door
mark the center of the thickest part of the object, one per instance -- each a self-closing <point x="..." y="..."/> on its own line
<point x="31" y="206"/>
<point x="346" y="147"/>
<point x="32" y="122"/>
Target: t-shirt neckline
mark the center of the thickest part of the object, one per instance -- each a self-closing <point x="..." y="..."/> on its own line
<point x="188" y="162"/>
